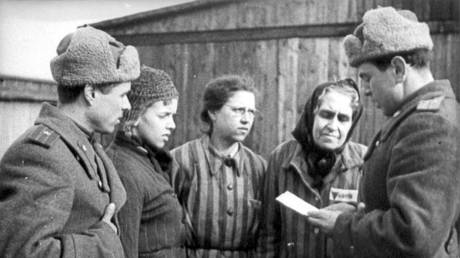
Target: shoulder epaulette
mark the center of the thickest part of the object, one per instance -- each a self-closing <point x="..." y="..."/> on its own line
<point x="43" y="136"/>
<point x="432" y="104"/>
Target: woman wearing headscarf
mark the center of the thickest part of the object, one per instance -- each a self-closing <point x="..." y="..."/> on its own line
<point x="320" y="165"/>
<point x="151" y="220"/>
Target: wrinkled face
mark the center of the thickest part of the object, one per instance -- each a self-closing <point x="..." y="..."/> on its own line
<point x="157" y="123"/>
<point x="107" y="107"/>
<point x="380" y="86"/>
<point x="233" y="122"/>
<point x="333" y="120"/>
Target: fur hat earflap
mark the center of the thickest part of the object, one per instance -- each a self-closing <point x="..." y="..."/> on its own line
<point x="386" y="31"/>
<point x="91" y="56"/>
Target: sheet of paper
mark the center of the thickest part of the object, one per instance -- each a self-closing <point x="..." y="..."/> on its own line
<point x="292" y="201"/>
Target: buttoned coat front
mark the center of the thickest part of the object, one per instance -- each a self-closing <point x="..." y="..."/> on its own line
<point x="411" y="183"/>
<point x="52" y="197"/>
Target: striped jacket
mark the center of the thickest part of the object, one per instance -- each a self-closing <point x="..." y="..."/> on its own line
<point x="222" y="199"/>
<point x="285" y="233"/>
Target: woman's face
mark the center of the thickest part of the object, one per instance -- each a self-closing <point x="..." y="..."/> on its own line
<point x="157" y="123"/>
<point x="233" y="122"/>
<point x="332" y="121"/>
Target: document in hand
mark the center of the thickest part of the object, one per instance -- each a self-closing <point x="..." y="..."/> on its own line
<point x="292" y="201"/>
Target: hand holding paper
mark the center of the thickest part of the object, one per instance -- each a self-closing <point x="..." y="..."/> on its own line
<point x="292" y="201"/>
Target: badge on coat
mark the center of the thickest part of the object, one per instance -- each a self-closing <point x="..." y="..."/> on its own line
<point x="343" y="195"/>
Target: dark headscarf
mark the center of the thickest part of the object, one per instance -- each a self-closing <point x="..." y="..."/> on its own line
<point x="321" y="161"/>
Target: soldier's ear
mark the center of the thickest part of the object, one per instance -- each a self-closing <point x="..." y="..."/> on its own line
<point x="212" y="115"/>
<point x="399" y="68"/>
<point x="89" y="93"/>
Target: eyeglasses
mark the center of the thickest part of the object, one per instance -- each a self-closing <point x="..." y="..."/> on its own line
<point x="241" y="111"/>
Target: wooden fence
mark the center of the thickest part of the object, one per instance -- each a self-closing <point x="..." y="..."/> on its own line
<point x="20" y="102"/>
<point x="288" y="47"/>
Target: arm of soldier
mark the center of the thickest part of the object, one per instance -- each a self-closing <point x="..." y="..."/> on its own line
<point x="37" y="197"/>
<point x="269" y="233"/>
<point x="422" y="191"/>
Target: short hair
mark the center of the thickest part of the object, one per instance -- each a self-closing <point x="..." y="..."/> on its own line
<point x="343" y="87"/>
<point x="219" y="90"/>
<point x="419" y="58"/>
<point x="67" y="95"/>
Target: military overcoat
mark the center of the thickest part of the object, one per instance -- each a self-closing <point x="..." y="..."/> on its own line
<point x="411" y="183"/>
<point x="53" y="193"/>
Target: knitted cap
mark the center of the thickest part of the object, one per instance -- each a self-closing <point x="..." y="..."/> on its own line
<point x="152" y="85"/>
<point x="91" y="56"/>
<point x="385" y="31"/>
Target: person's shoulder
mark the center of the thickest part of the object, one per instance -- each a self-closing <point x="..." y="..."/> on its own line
<point x="252" y="154"/>
<point x="444" y="106"/>
<point x="40" y="147"/>
<point x="437" y="110"/>
<point x="41" y="135"/>
<point x="430" y="104"/>
<point x="187" y="146"/>
<point x="37" y="138"/>
<point x="356" y="149"/>
<point x="285" y="147"/>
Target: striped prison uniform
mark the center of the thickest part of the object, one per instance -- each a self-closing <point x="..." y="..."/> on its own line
<point x="221" y="197"/>
<point x="285" y="233"/>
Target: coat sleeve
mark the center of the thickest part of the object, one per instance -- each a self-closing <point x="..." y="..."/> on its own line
<point x="423" y="189"/>
<point x="269" y="234"/>
<point x="36" y="198"/>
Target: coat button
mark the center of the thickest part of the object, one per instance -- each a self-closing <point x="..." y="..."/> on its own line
<point x="230" y="187"/>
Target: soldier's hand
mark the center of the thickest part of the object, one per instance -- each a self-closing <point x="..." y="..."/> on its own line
<point x="108" y="214"/>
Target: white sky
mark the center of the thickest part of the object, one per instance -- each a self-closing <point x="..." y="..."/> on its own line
<point x="31" y="30"/>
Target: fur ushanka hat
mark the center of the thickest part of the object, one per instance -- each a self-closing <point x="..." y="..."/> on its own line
<point x="386" y="31"/>
<point x="91" y="56"/>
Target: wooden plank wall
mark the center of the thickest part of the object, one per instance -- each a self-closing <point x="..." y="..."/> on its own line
<point x="20" y="102"/>
<point x="238" y="14"/>
<point x="16" y="117"/>
<point x="286" y="70"/>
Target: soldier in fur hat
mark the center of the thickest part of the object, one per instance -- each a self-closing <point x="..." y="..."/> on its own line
<point x="411" y="186"/>
<point x="59" y="191"/>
